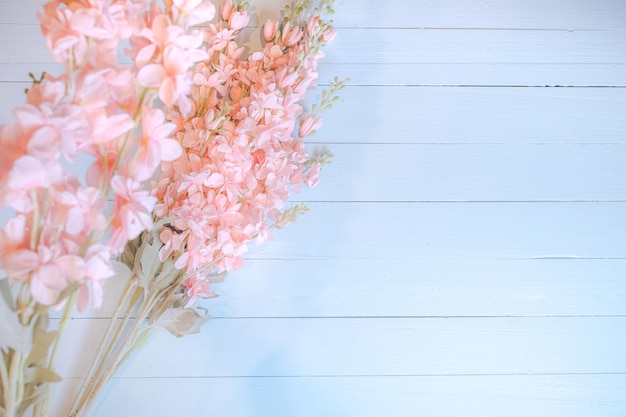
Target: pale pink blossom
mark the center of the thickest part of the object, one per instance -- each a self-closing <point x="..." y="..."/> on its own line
<point x="169" y="78"/>
<point x="309" y="124"/>
<point x="156" y="143"/>
<point x="226" y="10"/>
<point x="312" y="25"/>
<point x="329" y="36"/>
<point x="291" y="35"/>
<point x="196" y="11"/>
<point x="48" y="271"/>
<point x="106" y="127"/>
<point x="85" y="210"/>
<point x="60" y="37"/>
<point x="269" y="30"/>
<point x="98" y="268"/>
<point x="134" y="207"/>
<point x="238" y="20"/>
<point x="28" y="172"/>
<point x="197" y="286"/>
<point x="13" y="238"/>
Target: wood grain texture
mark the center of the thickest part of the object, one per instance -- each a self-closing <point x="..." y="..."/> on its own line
<point x="465" y="253"/>
<point x="426" y="396"/>
<point x="389" y="231"/>
<point x="397" y="114"/>
<point x="459" y="14"/>
<point x="411" y="288"/>
<point x="373" y="346"/>
<point x="427" y="46"/>
<point x="424" y="75"/>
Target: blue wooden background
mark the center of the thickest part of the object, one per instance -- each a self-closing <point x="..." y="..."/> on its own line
<point x="465" y="253"/>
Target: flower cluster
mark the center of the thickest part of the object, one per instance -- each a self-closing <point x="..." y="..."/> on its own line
<point x="242" y="141"/>
<point x="193" y="149"/>
<point x="61" y="235"/>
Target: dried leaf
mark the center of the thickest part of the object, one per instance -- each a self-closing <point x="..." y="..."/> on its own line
<point x="149" y="262"/>
<point x="41" y="343"/>
<point x="40" y="375"/>
<point x="217" y="278"/>
<point x="128" y="256"/>
<point x="165" y="277"/>
<point x="5" y="290"/>
<point x="33" y="394"/>
<point x="183" y="321"/>
<point x="12" y="334"/>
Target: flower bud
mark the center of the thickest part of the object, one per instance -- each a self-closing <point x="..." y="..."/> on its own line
<point x="269" y="30"/>
<point x="312" y="25"/>
<point x="329" y="36"/>
<point x="309" y="125"/>
<point x="238" y="20"/>
<point x="227" y="9"/>
<point x="291" y="36"/>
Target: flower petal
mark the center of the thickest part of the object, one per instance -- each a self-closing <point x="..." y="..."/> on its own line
<point x="151" y="75"/>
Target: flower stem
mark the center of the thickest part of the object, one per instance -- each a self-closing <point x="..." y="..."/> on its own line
<point x="99" y="360"/>
<point x="7" y="389"/>
<point x="41" y="408"/>
<point x="120" y="348"/>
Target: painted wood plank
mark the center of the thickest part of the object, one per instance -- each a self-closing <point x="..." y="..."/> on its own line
<point x="409" y="46"/>
<point x="457" y="115"/>
<point x="418" y="288"/>
<point x="476" y="115"/>
<point x="427" y="172"/>
<point x="470" y="14"/>
<point x="471" y="172"/>
<point x="392" y="231"/>
<point x="422" y="288"/>
<point x="517" y="14"/>
<point x="366" y="346"/>
<point x="519" y="75"/>
<point x="442" y="231"/>
<point x="484" y="396"/>
<point x="24" y="44"/>
<point x="534" y="75"/>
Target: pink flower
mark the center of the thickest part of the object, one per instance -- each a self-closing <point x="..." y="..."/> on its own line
<point x="97" y="269"/>
<point x="226" y="10"/>
<point x="106" y="127"/>
<point x="49" y="270"/>
<point x="84" y="211"/>
<point x="132" y="212"/>
<point x="308" y="125"/>
<point x="157" y="144"/>
<point x="196" y="11"/>
<point x="60" y="37"/>
<point x="269" y="30"/>
<point x="291" y="36"/>
<point x="238" y="20"/>
<point x="329" y="36"/>
<point x="28" y="172"/>
<point x="312" y="25"/>
<point x="197" y="286"/>
<point x="89" y="23"/>
<point x="169" y="78"/>
<point x="12" y="238"/>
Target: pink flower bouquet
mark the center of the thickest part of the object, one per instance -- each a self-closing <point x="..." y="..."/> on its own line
<point x="198" y="143"/>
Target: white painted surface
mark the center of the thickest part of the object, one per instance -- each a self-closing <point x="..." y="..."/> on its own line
<point x="465" y="254"/>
